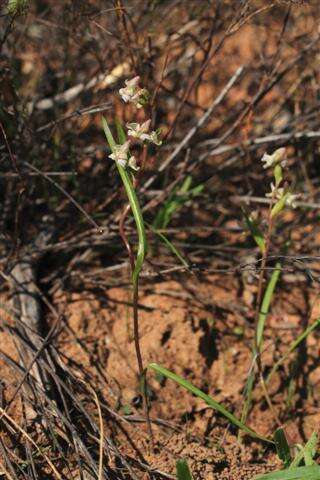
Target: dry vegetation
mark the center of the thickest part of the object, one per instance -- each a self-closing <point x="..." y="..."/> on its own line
<point x="230" y="80"/>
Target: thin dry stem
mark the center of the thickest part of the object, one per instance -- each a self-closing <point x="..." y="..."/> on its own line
<point x="27" y="436"/>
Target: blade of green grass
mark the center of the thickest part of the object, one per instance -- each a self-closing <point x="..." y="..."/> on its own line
<point x="310" y="449"/>
<point x="209" y="400"/>
<point x="108" y="133"/>
<point x="265" y="307"/>
<point x="170" y="245"/>
<point x="248" y="395"/>
<point x="307" y="452"/>
<point x="120" y="131"/>
<point x="293" y="346"/>
<point x="183" y="471"/>
<point x="255" y="232"/>
<point x="299" y="473"/>
<point x="283" y="449"/>
<point x="180" y="195"/>
<point x="266" y="303"/>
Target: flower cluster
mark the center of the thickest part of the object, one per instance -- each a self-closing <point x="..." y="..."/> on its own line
<point x="122" y="156"/>
<point x="277" y="157"/>
<point x="141" y="131"/>
<point x="133" y="93"/>
<point x="278" y="193"/>
<point x="283" y="196"/>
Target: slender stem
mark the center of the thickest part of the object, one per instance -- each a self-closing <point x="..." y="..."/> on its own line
<point x="136" y="327"/>
<point x="260" y="285"/>
<point x="142" y="372"/>
<point x="124" y="237"/>
<point x="256" y="345"/>
<point x="136" y="266"/>
<point x="135" y="263"/>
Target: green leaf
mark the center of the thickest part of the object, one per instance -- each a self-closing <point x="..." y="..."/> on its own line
<point x="209" y="400"/>
<point x="122" y="137"/>
<point x="170" y="245"/>
<point x="197" y="190"/>
<point x="248" y="396"/>
<point x="283" y="449"/>
<point x="279" y="206"/>
<point x="127" y="410"/>
<point x="17" y="6"/>
<point x="176" y="200"/>
<point x="310" y="449"/>
<point x="293" y="346"/>
<point x="307" y="452"/>
<point x="186" y="184"/>
<point x="183" y="471"/>
<point x="299" y="473"/>
<point x="255" y="231"/>
<point x="278" y="174"/>
<point x="134" y="204"/>
<point x="265" y="306"/>
<point x="108" y="134"/>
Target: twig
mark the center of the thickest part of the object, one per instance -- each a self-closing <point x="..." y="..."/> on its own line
<point x="262" y="93"/>
<point x="205" y="117"/>
<point x="77" y="113"/>
<point x="104" y="80"/>
<point x="266" y="201"/>
<point x="34" y="174"/>
<point x="72" y="200"/>
<point x="27" y="436"/>
<point x="12" y="157"/>
<point x="96" y="399"/>
<point x="251" y="144"/>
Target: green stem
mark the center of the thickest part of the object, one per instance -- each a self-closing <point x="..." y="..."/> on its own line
<point x="136" y="210"/>
<point x="138" y="263"/>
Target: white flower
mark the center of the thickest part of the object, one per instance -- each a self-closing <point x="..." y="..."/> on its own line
<point x="130" y="89"/>
<point x="120" y="155"/>
<point x="154" y="137"/>
<point x="133" y="93"/>
<point x="276" y="157"/>
<point x="291" y="200"/>
<point x="276" y="192"/>
<point x="141" y="131"/>
<point x="132" y="163"/>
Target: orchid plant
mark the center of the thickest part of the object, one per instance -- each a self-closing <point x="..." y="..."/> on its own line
<point x="280" y="197"/>
<point x="128" y="166"/>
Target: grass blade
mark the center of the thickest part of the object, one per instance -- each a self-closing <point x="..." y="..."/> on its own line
<point x="183" y="471"/>
<point x="179" y="196"/>
<point x="299" y="473"/>
<point x="170" y="245"/>
<point x="307" y="452"/>
<point x="108" y="133"/>
<point x="266" y="303"/>
<point x="310" y="449"/>
<point x="209" y="400"/>
<point x="255" y="232"/>
<point x="293" y="346"/>
<point x="248" y="395"/>
<point x="282" y="447"/>
<point x="122" y="137"/>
